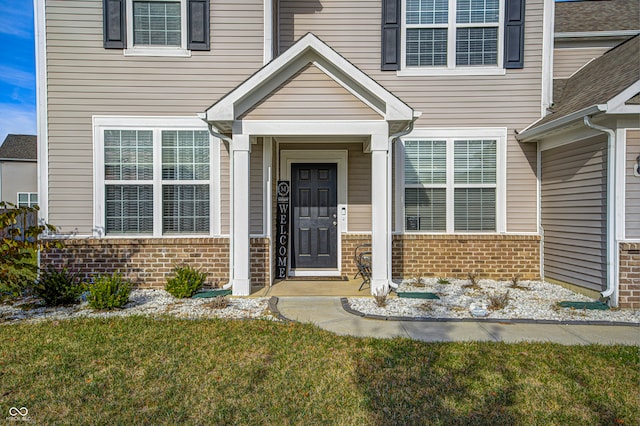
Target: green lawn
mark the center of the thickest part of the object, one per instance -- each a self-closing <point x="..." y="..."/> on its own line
<point x="169" y="371"/>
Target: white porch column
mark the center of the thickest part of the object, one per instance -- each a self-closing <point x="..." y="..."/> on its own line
<point x="240" y="256"/>
<point x="380" y="232"/>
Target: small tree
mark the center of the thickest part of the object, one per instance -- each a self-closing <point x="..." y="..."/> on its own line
<point x="20" y="244"/>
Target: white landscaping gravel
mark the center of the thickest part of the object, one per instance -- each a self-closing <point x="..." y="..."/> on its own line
<point x="538" y="302"/>
<point x="141" y="302"/>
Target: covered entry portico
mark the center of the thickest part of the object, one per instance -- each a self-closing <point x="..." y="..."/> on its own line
<point x="309" y="93"/>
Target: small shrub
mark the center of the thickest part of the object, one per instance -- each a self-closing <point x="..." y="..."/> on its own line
<point x="443" y="281"/>
<point x="380" y="299"/>
<point x="186" y="282"/>
<point x="515" y="283"/>
<point x="59" y="287"/>
<point x="474" y="281"/>
<point x="499" y="302"/>
<point x="418" y="281"/>
<point x="218" y="302"/>
<point x="109" y="292"/>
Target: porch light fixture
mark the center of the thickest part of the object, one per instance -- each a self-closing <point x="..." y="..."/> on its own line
<point x="636" y="167"/>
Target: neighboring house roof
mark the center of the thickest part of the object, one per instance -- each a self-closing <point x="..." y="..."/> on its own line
<point x="598" y="82"/>
<point x="19" y="148"/>
<point x="597" y="15"/>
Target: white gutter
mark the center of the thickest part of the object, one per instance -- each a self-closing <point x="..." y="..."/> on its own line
<point x="586" y="34"/>
<point x="612" y="249"/>
<point x="214" y="132"/>
<point x="527" y="135"/>
<point x="392" y="139"/>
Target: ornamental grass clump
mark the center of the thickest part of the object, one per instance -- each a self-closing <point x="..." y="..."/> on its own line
<point x="499" y="301"/>
<point x="109" y="292"/>
<point x="186" y="282"/>
<point x="380" y="299"/>
<point x="59" y="287"/>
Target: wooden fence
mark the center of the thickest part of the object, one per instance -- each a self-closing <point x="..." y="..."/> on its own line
<point x="24" y="221"/>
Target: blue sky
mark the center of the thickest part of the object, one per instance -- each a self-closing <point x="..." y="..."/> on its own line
<point x="17" y="68"/>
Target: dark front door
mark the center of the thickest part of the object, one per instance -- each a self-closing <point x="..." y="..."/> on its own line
<point x="314" y="208"/>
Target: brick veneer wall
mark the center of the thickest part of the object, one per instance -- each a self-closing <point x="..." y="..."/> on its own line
<point x="349" y="244"/>
<point x="146" y="261"/>
<point x="454" y="256"/>
<point x="260" y="263"/>
<point x="629" y="285"/>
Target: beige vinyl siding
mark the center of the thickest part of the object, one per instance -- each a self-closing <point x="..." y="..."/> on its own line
<point x="311" y="95"/>
<point x="574" y="195"/>
<point x="256" y="189"/>
<point x="632" y="197"/>
<point x="513" y="101"/>
<point x="84" y="79"/>
<point x="358" y="180"/>
<point x="567" y="61"/>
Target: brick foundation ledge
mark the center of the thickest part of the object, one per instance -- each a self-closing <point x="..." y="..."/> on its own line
<point x="145" y="261"/>
<point x="498" y="257"/>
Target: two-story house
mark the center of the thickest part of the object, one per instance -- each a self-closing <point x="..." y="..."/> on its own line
<point x="266" y="139"/>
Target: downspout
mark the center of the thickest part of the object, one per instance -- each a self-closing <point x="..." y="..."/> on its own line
<point x="392" y="139"/>
<point x="612" y="250"/>
<point x="216" y="134"/>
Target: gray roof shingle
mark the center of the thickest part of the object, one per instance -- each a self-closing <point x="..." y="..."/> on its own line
<point x="19" y="147"/>
<point x="597" y="15"/>
<point x="599" y="81"/>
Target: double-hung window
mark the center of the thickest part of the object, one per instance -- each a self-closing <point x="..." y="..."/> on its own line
<point x="155" y="182"/>
<point x="452" y="184"/>
<point x="452" y="34"/>
<point x="156" y="27"/>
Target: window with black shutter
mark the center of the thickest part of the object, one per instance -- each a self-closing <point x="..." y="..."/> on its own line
<point x="156" y="26"/>
<point x="452" y="34"/>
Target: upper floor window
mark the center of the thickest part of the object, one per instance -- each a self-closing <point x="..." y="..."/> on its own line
<point x="449" y="34"/>
<point x="156" y="27"/>
<point x="157" y="23"/>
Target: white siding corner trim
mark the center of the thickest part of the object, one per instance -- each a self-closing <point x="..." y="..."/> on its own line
<point x="41" y="123"/>
<point x="155" y="124"/>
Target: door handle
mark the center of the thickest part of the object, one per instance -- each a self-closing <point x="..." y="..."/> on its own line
<point x="335" y="223"/>
<point x="335" y="216"/>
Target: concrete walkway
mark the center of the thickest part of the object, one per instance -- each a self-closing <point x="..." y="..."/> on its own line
<point x="328" y="313"/>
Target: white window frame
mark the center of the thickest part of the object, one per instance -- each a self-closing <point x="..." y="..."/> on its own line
<point x="133" y="50"/>
<point x="498" y="134"/>
<point x="452" y="26"/>
<point x="29" y="201"/>
<point x="156" y="125"/>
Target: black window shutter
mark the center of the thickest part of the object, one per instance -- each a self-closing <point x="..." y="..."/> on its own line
<point x="514" y="34"/>
<point x="391" y="15"/>
<point x="115" y="28"/>
<point x="198" y="24"/>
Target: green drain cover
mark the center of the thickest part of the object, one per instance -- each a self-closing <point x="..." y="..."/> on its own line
<point x="418" y="295"/>
<point x="211" y="293"/>
<point x="584" y="305"/>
